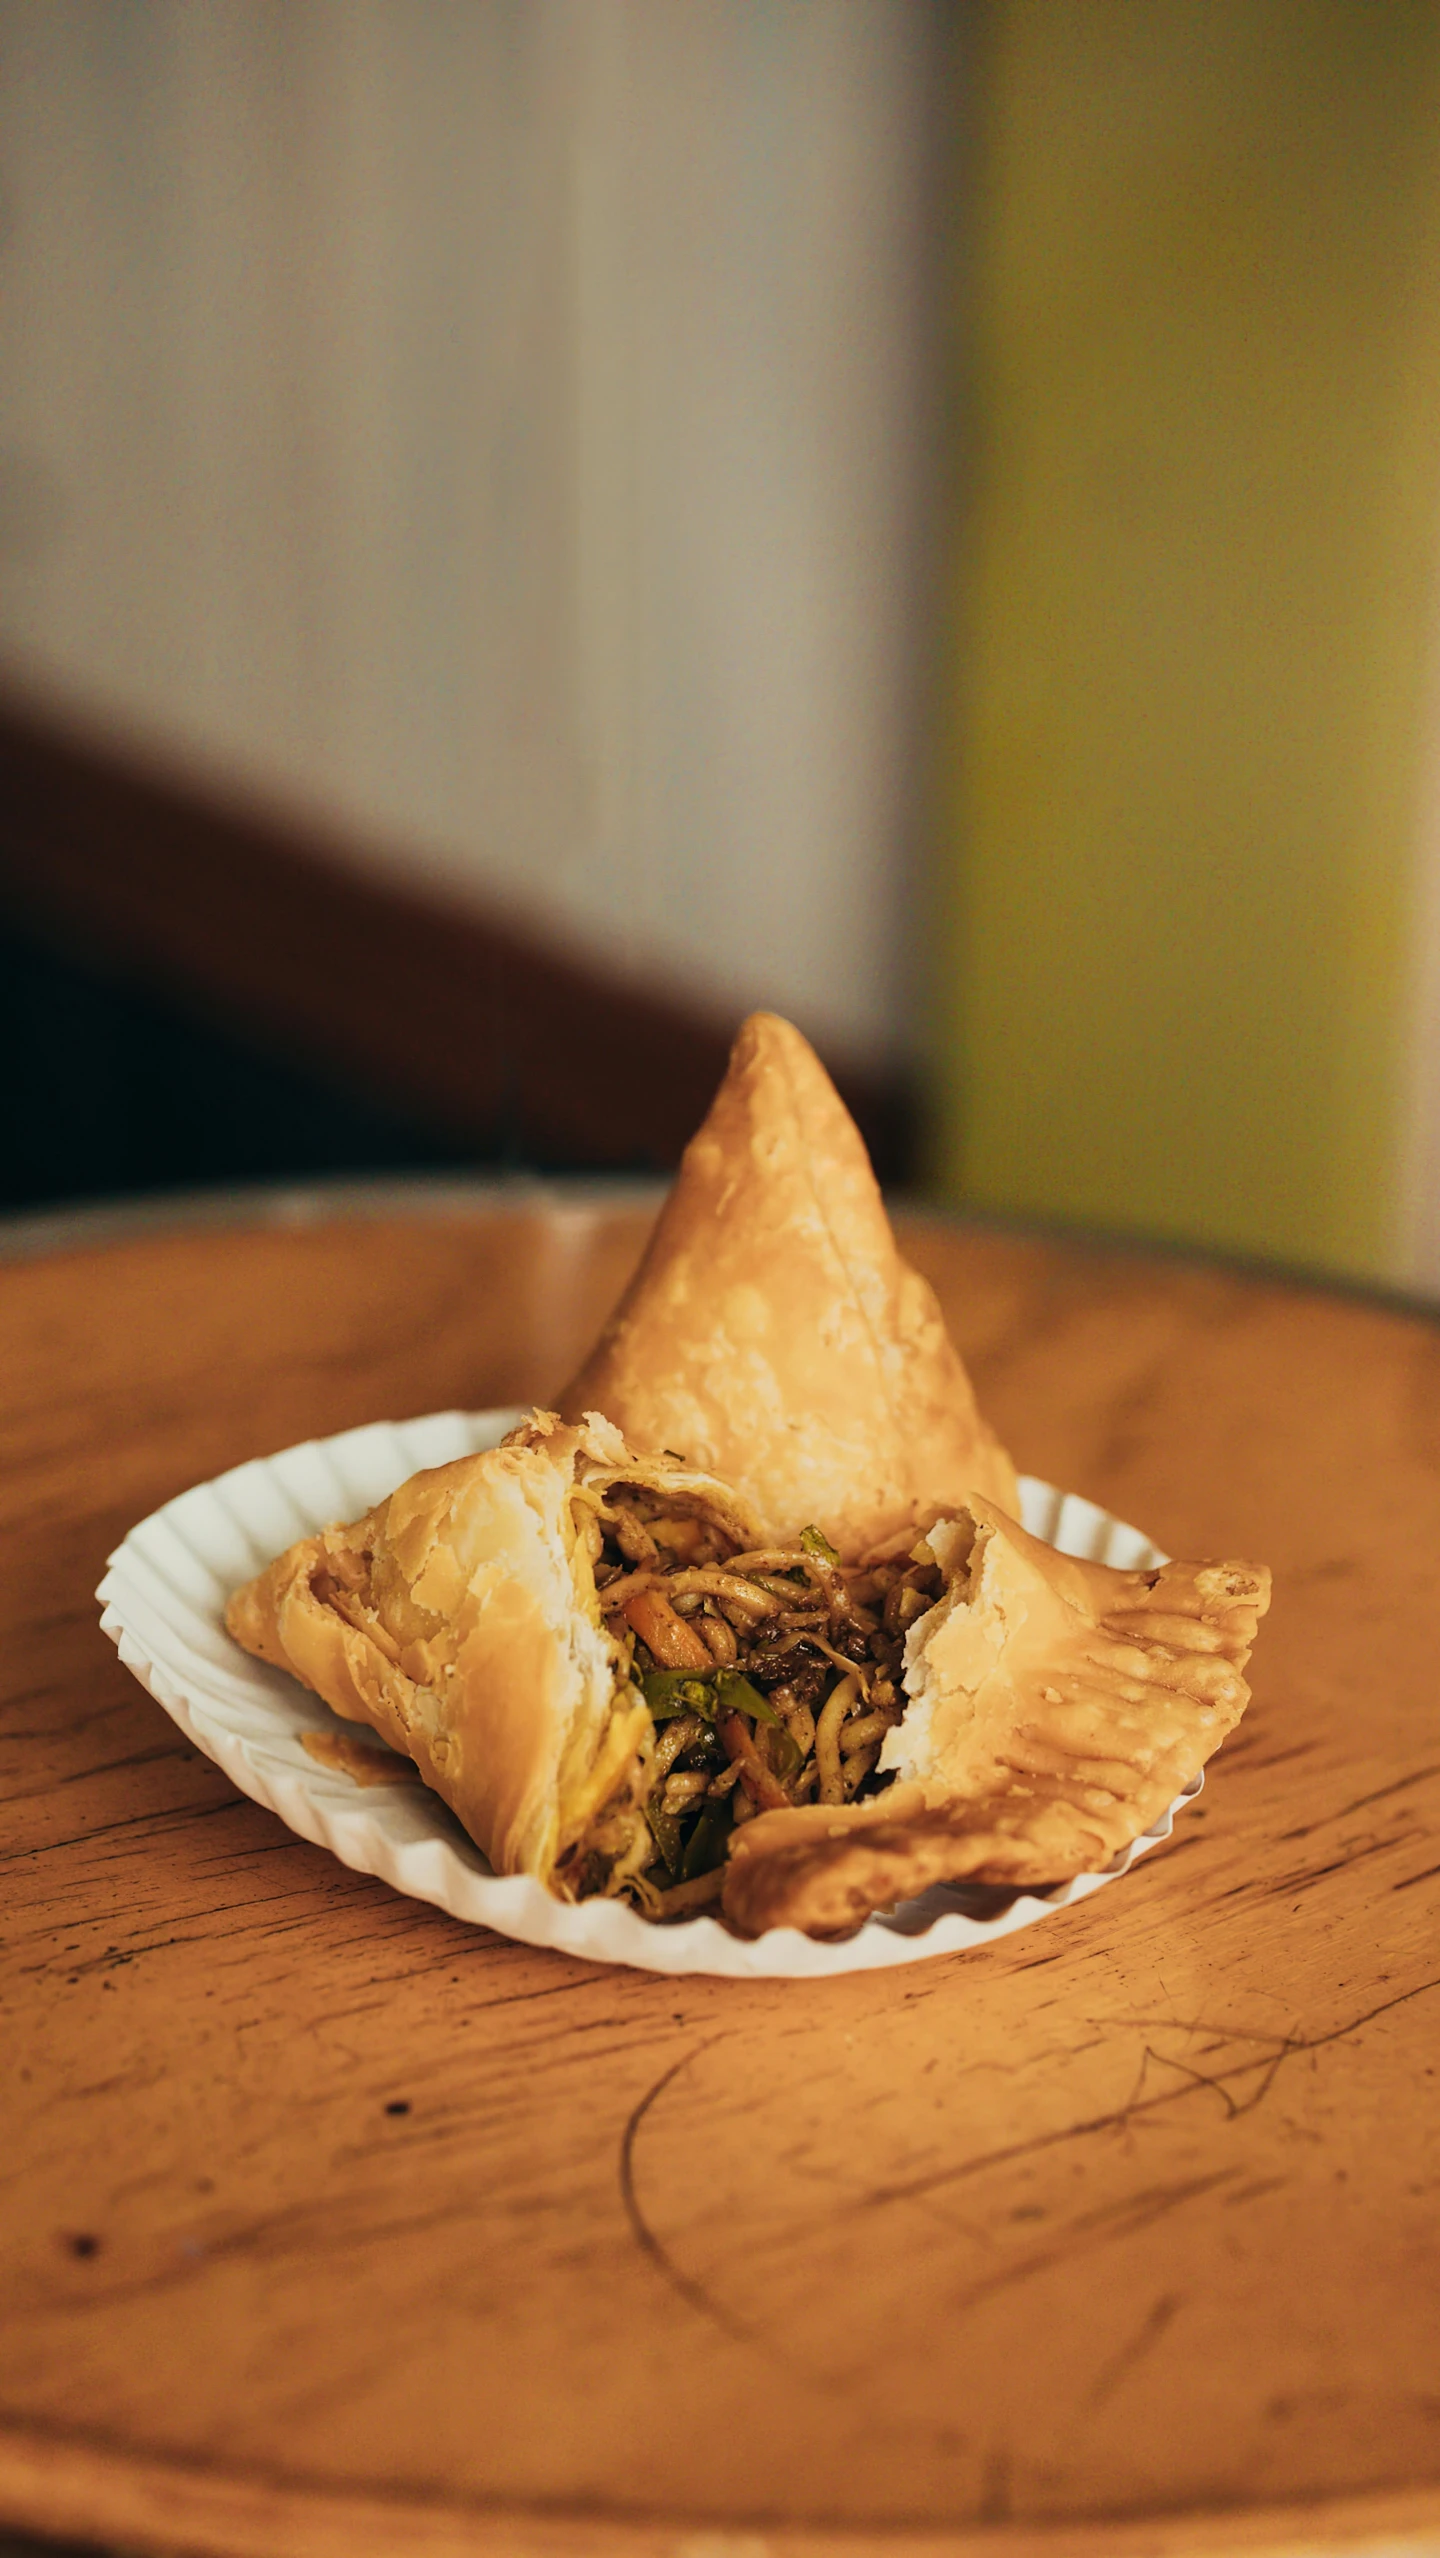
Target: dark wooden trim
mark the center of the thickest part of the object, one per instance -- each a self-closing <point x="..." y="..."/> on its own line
<point x="464" y="1018"/>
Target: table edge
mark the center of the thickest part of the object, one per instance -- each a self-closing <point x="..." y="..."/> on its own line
<point x="45" y="1233"/>
<point x="42" y="1233"/>
<point x="79" y="2486"/>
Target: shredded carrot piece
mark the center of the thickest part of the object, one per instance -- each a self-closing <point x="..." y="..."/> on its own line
<point x="763" y="1783"/>
<point x="675" y="1645"/>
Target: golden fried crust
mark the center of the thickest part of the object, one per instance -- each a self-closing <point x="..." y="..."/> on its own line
<point x="773" y="1332"/>
<point x="447" y="1619"/>
<point x="1057" y="1708"/>
<point x="459" y="1619"/>
<point x="829" y="1881"/>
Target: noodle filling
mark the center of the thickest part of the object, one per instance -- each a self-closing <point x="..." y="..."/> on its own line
<point x="771" y="1676"/>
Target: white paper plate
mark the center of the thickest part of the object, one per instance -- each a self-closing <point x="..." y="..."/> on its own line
<point x="163" y="1598"/>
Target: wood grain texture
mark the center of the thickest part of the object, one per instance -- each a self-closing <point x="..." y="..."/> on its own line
<point x="1120" y="2234"/>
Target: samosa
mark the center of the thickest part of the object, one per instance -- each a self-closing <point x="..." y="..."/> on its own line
<point x="752" y="1624"/>
<point x="624" y="1687"/>
<point x="774" y="1336"/>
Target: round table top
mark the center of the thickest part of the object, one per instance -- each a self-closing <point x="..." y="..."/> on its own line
<point x="329" y="2225"/>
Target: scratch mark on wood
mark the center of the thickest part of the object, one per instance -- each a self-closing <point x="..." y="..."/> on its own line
<point x="95" y="1768"/>
<point x="1250" y="2193"/>
<point x="692" y="2293"/>
<point x="1401" y="1785"/>
<point x="148" y="1823"/>
<point x="1108" y="2378"/>
<point x="1132" y="2213"/>
<point x="1243" y="1753"/>
<point x="1203" y="2078"/>
<point x="908" y="2188"/>
<point x="1307" y="1880"/>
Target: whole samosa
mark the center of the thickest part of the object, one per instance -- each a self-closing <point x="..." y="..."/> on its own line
<point x="774" y="1335"/>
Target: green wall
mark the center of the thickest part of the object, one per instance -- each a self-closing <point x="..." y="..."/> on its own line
<point x="1195" y="618"/>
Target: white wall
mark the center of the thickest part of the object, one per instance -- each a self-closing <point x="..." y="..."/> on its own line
<point x="493" y="426"/>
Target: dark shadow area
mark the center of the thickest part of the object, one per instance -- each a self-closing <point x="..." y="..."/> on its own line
<point x="26" y="2547"/>
<point x="196" y="994"/>
<point x="113" y="1091"/>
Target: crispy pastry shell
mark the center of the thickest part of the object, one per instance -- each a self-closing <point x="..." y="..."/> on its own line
<point x="1056" y="1708"/>
<point x="459" y="1619"/>
<point x="775" y="1335"/>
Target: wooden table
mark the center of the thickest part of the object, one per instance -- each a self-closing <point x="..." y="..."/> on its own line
<point x="331" y="2226"/>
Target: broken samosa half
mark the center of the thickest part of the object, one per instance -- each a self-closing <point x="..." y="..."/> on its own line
<point x="461" y="1620"/>
<point x="603" y="1661"/>
<point x="619" y="1680"/>
<point x="774" y="1334"/>
<point x="1056" y="1709"/>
